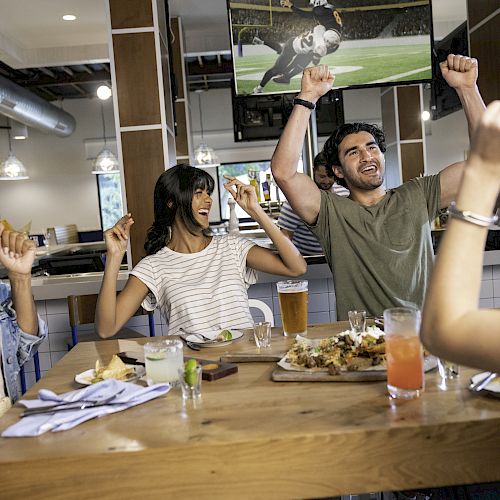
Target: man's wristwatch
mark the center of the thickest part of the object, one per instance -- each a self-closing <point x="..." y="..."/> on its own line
<point x="302" y="102"/>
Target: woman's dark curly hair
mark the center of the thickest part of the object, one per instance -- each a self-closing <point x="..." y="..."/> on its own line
<point x="173" y="196"/>
<point x="331" y="147"/>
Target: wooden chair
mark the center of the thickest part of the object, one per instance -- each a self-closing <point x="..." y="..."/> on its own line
<point x="65" y="234"/>
<point x="82" y="312"/>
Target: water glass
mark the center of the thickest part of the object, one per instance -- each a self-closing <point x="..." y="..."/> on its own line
<point x="190" y="382"/>
<point x="292" y="295"/>
<point x="447" y="369"/>
<point x="404" y="353"/>
<point x="357" y="319"/>
<point x="163" y="360"/>
<point x="262" y="334"/>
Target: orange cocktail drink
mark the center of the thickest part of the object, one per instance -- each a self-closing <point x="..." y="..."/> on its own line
<point x="404" y="353"/>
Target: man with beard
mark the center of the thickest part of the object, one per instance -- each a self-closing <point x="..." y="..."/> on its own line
<point x="377" y="242"/>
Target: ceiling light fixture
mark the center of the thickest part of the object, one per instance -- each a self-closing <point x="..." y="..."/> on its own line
<point x="106" y="162"/>
<point x="103" y="92"/>
<point x="425" y="115"/>
<point x="69" y="17"/>
<point x="12" y="169"/>
<point x="19" y="130"/>
<point x="204" y="155"/>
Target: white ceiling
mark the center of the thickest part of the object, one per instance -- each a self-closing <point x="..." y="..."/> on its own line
<point x="32" y="32"/>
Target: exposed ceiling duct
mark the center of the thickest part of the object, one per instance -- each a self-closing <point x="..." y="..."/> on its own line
<point x="22" y="105"/>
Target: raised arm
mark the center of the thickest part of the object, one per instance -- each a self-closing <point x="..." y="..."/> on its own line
<point x="17" y="254"/>
<point x="113" y="312"/>
<point x="288" y="261"/>
<point x="453" y="327"/>
<point x="461" y="72"/>
<point x="300" y="190"/>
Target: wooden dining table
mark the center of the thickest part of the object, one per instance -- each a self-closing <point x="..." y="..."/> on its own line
<point x="250" y="437"/>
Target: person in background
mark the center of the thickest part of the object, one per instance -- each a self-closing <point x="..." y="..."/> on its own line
<point x="293" y="226"/>
<point x="198" y="281"/>
<point x="21" y="329"/>
<point x="377" y="242"/>
<point x="452" y="325"/>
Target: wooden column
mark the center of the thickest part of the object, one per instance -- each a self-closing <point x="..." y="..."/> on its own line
<point x="484" y="29"/>
<point x="183" y="143"/>
<point x="142" y="106"/>
<point x="404" y="131"/>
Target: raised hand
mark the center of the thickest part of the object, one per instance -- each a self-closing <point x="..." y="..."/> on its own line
<point x="286" y="3"/>
<point x="316" y="81"/>
<point x="117" y="237"/>
<point x="243" y="194"/>
<point x="460" y="72"/>
<point x="17" y="251"/>
<point x="485" y="150"/>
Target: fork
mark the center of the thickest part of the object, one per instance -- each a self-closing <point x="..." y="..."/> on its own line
<point x="72" y="405"/>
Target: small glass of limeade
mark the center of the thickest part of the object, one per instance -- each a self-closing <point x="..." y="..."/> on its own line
<point x="163" y="360"/>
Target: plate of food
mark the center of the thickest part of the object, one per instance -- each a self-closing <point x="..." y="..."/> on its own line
<point x="347" y="356"/>
<point x="217" y="338"/>
<point x="116" y="369"/>
<point x="491" y="389"/>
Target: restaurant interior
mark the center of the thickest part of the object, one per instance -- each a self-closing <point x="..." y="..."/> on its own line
<point x="65" y="203"/>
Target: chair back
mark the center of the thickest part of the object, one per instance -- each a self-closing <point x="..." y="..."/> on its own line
<point x="82" y="312"/>
<point x="264" y="308"/>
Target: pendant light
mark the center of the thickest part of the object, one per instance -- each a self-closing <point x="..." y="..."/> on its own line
<point x="106" y="162"/>
<point x="204" y="155"/>
<point x="12" y="169"/>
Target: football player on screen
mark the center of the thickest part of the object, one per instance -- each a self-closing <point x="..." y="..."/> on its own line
<point x="294" y="56"/>
<point x="328" y="27"/>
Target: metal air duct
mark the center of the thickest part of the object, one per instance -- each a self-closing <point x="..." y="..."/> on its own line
<point x="22" y="105"/>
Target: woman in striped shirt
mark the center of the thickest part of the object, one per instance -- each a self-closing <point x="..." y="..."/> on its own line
<point x="198" y="281"/>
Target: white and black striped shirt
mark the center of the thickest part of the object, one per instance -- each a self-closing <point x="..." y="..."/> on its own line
<point x="200" y="291"/>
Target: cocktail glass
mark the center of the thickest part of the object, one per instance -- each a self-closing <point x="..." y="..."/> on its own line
<point x="163" y="360"/>
<point x="404" y="353"/>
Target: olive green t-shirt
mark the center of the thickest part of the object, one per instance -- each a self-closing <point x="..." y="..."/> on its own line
<point x="381" y="255"/>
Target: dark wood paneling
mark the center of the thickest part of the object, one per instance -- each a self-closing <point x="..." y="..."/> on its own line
<point x="142" y="163"/>
<point x="131" y="13"/>
<point x="137" y="80"/>
<point x="412" y="160"/>
<point x="177" y="56"/>
<point x="479" y="9"/>
<point x="181" y="142"/>
<point x="485" y="46"/>
<point x="410" y="125"/>
<point x="389" y="116"/>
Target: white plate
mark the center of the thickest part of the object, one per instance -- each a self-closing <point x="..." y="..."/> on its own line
<point x="85" y="377"/>
<point x="493" y="387"/>
<point x="195" y="339"/>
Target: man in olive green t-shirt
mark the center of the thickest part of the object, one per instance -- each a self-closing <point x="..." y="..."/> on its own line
<point x="377" y="242"/>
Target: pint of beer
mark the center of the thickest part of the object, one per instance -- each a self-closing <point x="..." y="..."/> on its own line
<point x="292" y="295"/>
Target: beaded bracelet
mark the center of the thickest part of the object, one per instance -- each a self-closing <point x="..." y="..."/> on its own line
<point x="468" y="216"/>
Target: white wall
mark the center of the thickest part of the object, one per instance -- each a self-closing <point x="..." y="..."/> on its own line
<point x="61" y="190"/>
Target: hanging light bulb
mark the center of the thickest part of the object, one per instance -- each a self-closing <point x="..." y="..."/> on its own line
<point x="12" y="169"/>
<point x="204" y="155"/>
<point x="106" y="162"/>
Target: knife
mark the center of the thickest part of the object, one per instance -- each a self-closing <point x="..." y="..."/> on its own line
<point x="482" y="383"/>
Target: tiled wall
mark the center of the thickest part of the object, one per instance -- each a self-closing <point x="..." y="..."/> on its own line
<point x="321" y="310"/>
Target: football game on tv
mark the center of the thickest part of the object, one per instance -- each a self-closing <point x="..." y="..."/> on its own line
<point x="364" y="42"/>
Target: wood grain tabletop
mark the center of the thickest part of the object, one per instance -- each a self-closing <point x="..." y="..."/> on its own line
<point x="250" y="437"/>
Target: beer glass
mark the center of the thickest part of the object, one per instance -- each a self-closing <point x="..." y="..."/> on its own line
<point x="404" y="353"/>
<point x="292" y="295"/>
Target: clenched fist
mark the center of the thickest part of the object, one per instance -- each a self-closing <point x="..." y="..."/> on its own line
<point x="286" y="3"/>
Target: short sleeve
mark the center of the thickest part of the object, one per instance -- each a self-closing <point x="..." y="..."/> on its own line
<point x="241" y="246"/>
<point x="431" y="187"/>
<point x="321" y="228"/>
<point x="144" y="271"/>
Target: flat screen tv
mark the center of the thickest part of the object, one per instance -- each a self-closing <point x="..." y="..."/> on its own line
<point x="364" y="42"/>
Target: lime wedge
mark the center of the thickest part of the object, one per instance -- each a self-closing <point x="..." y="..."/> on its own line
<point x="155" y="356"/>
<point x="225" y="335"/>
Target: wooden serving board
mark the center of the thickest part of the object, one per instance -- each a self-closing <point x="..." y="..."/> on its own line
<point x="281" y="375"/>
<point x="211" y="370"/>
<point x="251" y="357"/>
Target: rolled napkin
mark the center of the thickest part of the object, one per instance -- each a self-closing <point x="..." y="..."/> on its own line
<point x="127" y="395"/>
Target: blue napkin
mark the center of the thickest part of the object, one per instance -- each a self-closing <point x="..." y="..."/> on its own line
<point x="129" y="395"/>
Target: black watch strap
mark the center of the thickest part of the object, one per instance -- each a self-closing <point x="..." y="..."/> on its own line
<point x="302" y="102"/>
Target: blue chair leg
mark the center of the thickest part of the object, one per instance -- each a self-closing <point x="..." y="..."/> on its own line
<point x="36" y="361"/>
<point x="151" y="319"/>
<point x="74" y="335"/>
<point x="23" y="380"/>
